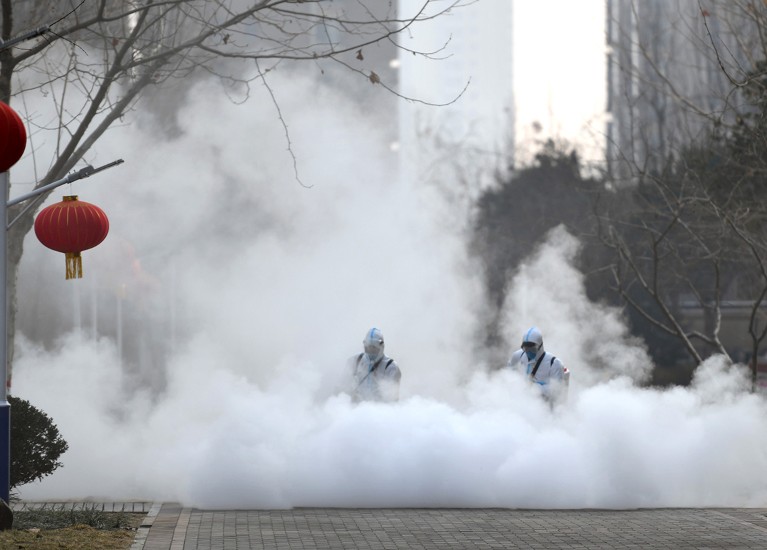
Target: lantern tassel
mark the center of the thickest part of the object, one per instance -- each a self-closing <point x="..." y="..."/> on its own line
<point x="74" y="265"/>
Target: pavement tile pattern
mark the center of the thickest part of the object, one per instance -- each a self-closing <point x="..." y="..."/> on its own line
<point x="169" y="526"/>
<point x="179" y="528"/>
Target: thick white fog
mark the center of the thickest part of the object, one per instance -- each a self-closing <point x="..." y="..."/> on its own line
<point x="262" y="288"/>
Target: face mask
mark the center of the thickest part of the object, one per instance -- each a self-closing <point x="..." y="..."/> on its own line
<point x="372" y="352"/>
<point x="530" y="355"/>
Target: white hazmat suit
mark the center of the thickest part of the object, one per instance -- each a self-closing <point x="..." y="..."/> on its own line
<point x="375" y="377"/>
<point x="543" y="369"/>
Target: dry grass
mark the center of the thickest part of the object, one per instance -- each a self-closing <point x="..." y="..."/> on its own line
<point x="71" y="530"/>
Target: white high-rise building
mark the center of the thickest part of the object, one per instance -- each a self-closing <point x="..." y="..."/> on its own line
<point x="461" y="119"/>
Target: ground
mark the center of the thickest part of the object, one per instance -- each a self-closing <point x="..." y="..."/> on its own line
<point x="71" y="530"/>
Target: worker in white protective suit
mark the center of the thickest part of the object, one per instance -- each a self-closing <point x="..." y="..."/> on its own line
<point x="375" y="377"/>
<point x="542" y="368"/>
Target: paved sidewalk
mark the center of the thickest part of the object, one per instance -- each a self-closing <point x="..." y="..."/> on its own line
<point x="173" y="527"/>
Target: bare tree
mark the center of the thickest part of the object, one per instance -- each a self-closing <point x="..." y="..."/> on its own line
<point x="688" y="234"/>
<point x="111" y="52"/>
<point x="686" y="257"/>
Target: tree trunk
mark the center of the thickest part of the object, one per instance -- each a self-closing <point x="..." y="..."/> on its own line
<point x="14" y="252"/>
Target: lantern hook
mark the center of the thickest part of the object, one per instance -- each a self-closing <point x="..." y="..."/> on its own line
<point x="90" y="170"/>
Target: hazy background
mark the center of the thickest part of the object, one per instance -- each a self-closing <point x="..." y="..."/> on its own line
<point x="201" y="357"/>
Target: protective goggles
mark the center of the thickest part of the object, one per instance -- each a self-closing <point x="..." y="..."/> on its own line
<point x="372" y="349"/>
<point x="529" y="346"/>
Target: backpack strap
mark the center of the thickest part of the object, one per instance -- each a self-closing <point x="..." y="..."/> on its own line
<point x="389" y="362"/>
<point x="371" y="371"/>
<point x="537" y="364"/>
<point x="552" y="361"/>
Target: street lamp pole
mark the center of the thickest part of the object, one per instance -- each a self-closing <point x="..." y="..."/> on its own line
<point x="5" y="407"/>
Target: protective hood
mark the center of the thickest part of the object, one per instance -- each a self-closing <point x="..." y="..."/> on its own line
<point x="532" y="343"/>
<point x="373" y="344"/>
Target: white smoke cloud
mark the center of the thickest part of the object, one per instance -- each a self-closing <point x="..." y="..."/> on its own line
<point x="548" y="292"/>
<point x="275" y="286"/>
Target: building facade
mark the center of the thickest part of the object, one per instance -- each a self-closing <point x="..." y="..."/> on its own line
<point x="671" y="70"/>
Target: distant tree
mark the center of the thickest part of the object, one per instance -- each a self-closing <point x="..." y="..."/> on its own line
<point x="512" y="218"/>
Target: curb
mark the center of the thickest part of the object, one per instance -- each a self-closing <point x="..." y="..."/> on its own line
<point x="143" y="531"/>
<point x="136" y="507"/>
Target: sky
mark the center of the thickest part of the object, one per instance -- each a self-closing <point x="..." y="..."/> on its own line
<point x="261" y="288"/>
<point x="559" y="70"/>
<point x="525" y="71"/>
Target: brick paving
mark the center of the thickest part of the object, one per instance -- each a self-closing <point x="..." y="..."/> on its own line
<point x="173" y="527"/>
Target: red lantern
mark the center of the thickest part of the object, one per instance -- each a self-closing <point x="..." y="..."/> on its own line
<point x="72" y="226"/>
<point x="13" y="137"/>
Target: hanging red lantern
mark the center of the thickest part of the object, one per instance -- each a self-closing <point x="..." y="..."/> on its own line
<point x="72" y="226"/>
<point x="13" y="137"/>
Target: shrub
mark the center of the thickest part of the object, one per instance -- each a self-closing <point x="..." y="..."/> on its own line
<point x="36" y="443"/>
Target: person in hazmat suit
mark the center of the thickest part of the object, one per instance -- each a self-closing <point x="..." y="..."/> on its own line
<point x="541" y="367"/>
<point x="375" y="376"/>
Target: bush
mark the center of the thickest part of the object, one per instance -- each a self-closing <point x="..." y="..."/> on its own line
<point x="36" y="443"/>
